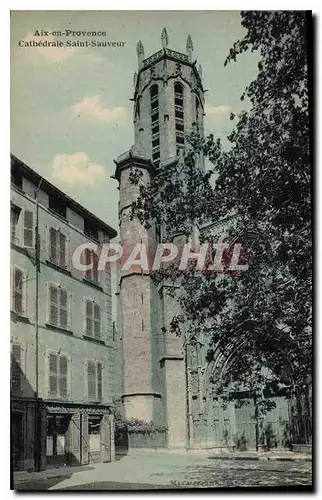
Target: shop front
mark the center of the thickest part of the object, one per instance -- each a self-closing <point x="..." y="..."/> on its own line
<point x="79" y="435"/>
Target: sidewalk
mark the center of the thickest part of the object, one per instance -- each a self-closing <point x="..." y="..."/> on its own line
<point x="150" y="466"/>
<point x="56" y="472"/>
<point x="219" y="454"/>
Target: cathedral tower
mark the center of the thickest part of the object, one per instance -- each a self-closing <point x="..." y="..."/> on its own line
<point x="168" y="104"/>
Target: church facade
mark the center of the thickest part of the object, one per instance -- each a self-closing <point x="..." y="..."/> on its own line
<point x="167" y="380"/>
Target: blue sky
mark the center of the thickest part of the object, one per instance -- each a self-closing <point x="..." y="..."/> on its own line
<point x="70" y="110"/>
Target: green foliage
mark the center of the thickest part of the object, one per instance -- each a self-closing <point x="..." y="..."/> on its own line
<point x="137" y="426"/>
<point x="270" y="436"/>
<point x="241" y="442"/>
<point x="258" y="323"/>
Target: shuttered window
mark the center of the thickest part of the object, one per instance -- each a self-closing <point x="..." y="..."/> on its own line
<point x="99" y="381"/>
<point x="91" y="259"/>
<point x="22" y="227"/>
<point x="28" y="228"/>
<point x="16" y="373"/>
<point x="14" y="221"/>
<point x="93" y="319"/>
<point x="94" y="380"/>
<point x="18" y="291"/>
<point x="59" y="306"/>
<point x="58" y="374"/>
<point x="57" y="247"/>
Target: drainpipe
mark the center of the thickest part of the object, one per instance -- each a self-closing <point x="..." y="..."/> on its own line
<point x="38" y="440"/>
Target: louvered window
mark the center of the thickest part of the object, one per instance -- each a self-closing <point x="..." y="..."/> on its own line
<point x="155" y="130"/>
<point x="93" y="319"/>
<point x="16" y="373"/>
<point x="22" y="227"/>
<point x="18" y="291"/>
<point x="58" y="374"/>
<point x="91" y="259"/>
<point x="57" y="247"/>
<point x="59" y="306"/>
<point x="179" y="113"/>
<point x="94" y="380"/>
<point x="14" y="220"/>
<point x="28" y="228"/>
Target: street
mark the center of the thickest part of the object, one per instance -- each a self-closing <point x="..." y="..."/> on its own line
<point x="165" y="470"/>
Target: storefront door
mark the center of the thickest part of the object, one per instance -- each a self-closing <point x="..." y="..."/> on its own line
<point x="17" y="440"/>
<point x="57" y="426"/>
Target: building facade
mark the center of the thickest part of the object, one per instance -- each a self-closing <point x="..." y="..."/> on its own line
<point x="168" y="380"/>
<point x="62" y="345"/>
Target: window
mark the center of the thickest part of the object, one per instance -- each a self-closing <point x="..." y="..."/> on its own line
<point x="16" y="178"/>
<point x="179" y="113"/>
<point x="90" y="230"/>
<point x="57" y="205"/>
<point x="59" y="306"/>
<point x="154" y="98"/>
<point x="154" y="91"/>
<point x="22" y="226"/>
<point x="18" y="291"/>
<point x="58" y="372"/>
<point x="93" y="319"/>
<point x="94" y="380"/>
<point x="16" y="373"/>
<point x="28" y="229"/>
<point x="91" y="259"/>
<point x="57" y="247"/>
<point x="155" y="118"/>
<point x="15" y="214"/>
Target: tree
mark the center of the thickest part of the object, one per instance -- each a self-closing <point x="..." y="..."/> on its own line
<point x="258" y="322"/>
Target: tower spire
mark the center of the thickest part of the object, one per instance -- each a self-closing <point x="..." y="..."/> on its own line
<point x="189" y="47"/>
<point x="164" y="38"/>
<point x="140" y="53"/>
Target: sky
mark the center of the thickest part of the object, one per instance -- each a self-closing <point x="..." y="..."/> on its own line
<point x="71" y="113"/>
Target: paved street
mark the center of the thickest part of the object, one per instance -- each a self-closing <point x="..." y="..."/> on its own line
<point x="167" y="470"/>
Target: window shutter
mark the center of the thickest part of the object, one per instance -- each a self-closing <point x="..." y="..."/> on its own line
<point x="63" y="376"/>
<point x="53" y="298"/>
<point x="15" y="212"/>
<point x="87" y="262"/>
<point x="99" y="381"/>
<point x="53" y="245"/>
<point x="28" y="228"/>
<point x="53" y="374"/>
<point x="97" y="321"/>
<point x="91" y="380"/>
<point x="18" y="291"/>
<point x="62" y="250"/>
<point x="16" y="374"/>
<point x="95" y="267"/>
<point x="63" y="310"/>
<point x="89" y="316"/>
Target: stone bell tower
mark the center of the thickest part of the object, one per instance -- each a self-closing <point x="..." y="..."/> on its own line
<point x="168" y="104"/>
